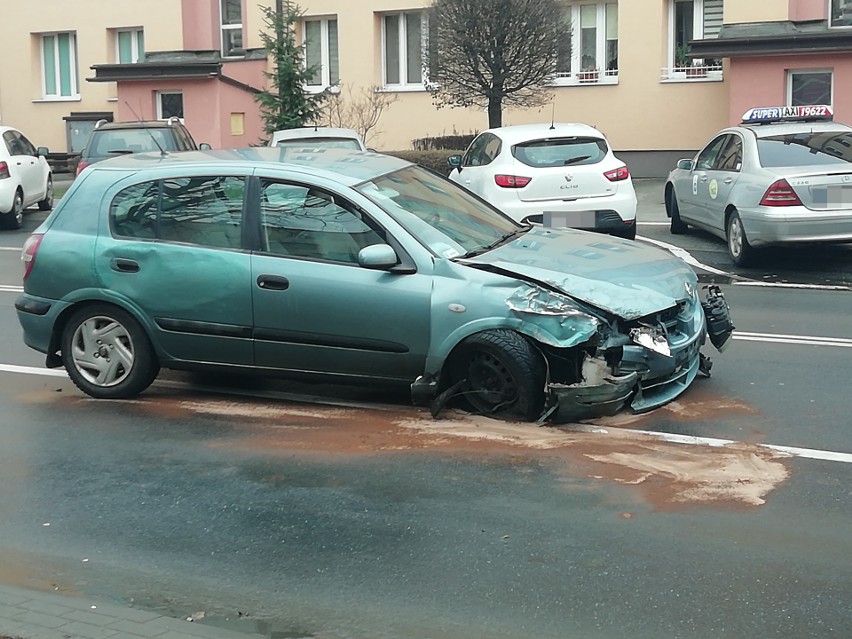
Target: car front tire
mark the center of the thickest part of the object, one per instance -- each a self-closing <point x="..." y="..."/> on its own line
<point x="107" y="353"/>
<point x="742" y="253"/>
<point x="678" y="226"/>
<point x="47" y="203"/>
<point x="503" y="375"/>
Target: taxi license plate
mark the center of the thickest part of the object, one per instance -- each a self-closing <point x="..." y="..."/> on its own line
<point x="832" y="197"/>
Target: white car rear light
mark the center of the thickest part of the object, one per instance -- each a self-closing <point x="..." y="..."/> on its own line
<point x="616" y="175"/>
<point x="512" y="181"/>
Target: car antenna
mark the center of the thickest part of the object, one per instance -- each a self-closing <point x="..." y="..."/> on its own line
<point x="153" y="138"/>
<point x="553" y="115"/>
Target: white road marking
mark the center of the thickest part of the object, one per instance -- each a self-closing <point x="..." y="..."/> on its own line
<point x="10" y="248"/>
<point x="841" y="342"/>
<point x="4" y="288"/>
<point x="793" y="451"/>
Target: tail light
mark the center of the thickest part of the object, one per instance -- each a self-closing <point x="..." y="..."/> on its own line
<point x="511" y="181"/>
<point x="28" y="253"/>
<point x="780" y="194"/>
<point x="81" y="165"/>
<point x="4" y="170"/>
<point x="616" y="175"/>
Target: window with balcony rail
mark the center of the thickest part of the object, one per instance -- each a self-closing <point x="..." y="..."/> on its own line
<point x="692" y="20"/>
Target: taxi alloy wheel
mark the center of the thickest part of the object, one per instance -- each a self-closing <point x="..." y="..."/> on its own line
<point x="504" y="375"/>
<point x="106" y="353"/>
<point x="739" y="249"/>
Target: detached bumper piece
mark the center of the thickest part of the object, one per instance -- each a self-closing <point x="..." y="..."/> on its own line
<point x="718" y="314"/>
<point x="572" y="402"/>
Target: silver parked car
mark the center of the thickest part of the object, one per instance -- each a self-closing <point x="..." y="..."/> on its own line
<point x="783" y="176"/>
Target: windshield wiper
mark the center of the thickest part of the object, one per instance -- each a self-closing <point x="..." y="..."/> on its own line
<point x="500" y="240"/>
<point x="574" y="160"/>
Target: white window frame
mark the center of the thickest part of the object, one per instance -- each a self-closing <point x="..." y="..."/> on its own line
<point x="325" y="53"/>
<point x="403" y="52"/>
<point x="702" y="70"/>
<point x="575" y="75"/>
<point x="72" y="61"/>
<point x="793" y="72"/>
<point x="136" y="52"/>
<point x="160" y="95"/>
<point x="843" y="3"/>
<point x="229" y="27"/>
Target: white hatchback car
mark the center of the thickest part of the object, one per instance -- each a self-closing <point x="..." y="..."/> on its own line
<point x="562" y="175"/>
<point x="25" y="178"/>
<point x="319" y="136"/>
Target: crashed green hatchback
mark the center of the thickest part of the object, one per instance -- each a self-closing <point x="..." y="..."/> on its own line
<point x="346" y="266"/>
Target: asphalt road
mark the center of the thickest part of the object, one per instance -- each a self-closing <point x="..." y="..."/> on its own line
<point x="351" y="514"/>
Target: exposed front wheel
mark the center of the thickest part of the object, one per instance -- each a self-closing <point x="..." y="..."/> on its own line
<point x="47" y="203"/>
<point x="14" y="219"/>
<point x="742" y="253"/>
<point x="678" y="226"/>
<point x="503" y="375"/>
<point x="107" y="354"/>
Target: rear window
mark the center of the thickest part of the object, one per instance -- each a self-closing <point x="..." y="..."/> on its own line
<point x="561" y="152"/>
<point x="325" y="143"/>
<point x="106" y="143"/>
<point x="804" y="149"/>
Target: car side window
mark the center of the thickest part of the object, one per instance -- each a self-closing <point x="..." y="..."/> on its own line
<point x="707" y="157"/>
<point x="206" y="211"/>
<point x="730" y="158"/>
<point x="475" y="156"/>
<point x="492" y="149"/>
<point x="309" y="223"/>
<point x="13" y="145"/>
<point x="27" y="146"/>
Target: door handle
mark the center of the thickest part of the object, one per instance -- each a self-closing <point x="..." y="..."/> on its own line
<point x="728" y="180"/>
<point x="703" y="178"/>
<point x="273" y="282"/>
<point x="123" y="265"/>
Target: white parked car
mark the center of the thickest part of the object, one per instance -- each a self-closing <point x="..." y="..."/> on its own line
<point x="25" y="178"/>
<point x="562" y="175"/>
<point x="319" y="136"/>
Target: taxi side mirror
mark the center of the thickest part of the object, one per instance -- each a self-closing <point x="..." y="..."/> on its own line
<point x="686" y="165"/>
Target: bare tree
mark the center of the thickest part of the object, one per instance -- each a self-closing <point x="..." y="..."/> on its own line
<point x="359" y="109"/>
<point x="494" y="53"/>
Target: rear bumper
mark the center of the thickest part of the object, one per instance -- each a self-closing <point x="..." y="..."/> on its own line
<point x="37" y="317"/>
<point x="622" y="206"/>
<point x="765" y="226"/>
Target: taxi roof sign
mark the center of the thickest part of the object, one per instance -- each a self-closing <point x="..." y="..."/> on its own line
<point x="801" y="113"/>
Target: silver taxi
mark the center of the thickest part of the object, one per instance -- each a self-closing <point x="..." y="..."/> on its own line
<point x="783" y="176"/>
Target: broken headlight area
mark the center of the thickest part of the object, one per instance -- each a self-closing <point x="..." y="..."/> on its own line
<point x="718" y="316"/>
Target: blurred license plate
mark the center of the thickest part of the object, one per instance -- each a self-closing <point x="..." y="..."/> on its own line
<point x="832" y="197"/>
<point x="569" y="219"/>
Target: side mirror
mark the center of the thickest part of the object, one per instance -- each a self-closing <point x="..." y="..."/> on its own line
<point x="686" y="165"/>
<point x="204" y="146"/>
<point x="380" y="257"/>
<point x="454" y="161"/>
<point x="43" y="151"/>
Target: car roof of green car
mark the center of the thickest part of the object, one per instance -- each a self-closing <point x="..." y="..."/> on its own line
<point x="344" y="166"/>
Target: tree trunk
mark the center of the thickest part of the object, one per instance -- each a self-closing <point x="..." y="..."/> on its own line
<point x="495" y="112"/>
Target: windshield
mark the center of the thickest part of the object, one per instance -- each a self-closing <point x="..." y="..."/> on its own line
<point x="560" y="152"/>
<point x="442" y="215"/>
<point x="806" y="148"/>
<point x="325" y="143"/>
<point x="120" y="141"/>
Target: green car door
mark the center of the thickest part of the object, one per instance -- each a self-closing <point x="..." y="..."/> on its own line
<point x="315" y="308"/>
<point x="174" y="252"/>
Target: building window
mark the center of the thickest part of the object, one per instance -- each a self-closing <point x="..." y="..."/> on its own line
<point x="232" y="28"/>
<point x="169" y="105"/>
<point x="841" y="13"/>
<point x="404" y="43"/>
<point x="809" y="87"/>
<point x="320" y="38"/>
<point x="589" y="49"/>
<point x="692" y="20"/>
<point x="59" y="65"/>
<point x="129" y="46"/>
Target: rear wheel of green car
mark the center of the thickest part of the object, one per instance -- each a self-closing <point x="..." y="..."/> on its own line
<point x="503" y="375"/>
<point x="106" y="353"/>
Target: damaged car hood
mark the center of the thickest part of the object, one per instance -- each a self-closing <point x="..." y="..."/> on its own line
<point x="627" y="278"/>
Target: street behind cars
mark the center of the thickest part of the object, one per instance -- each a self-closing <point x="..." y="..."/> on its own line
<point x="343" y="266"/>
<point x="782" y="177"/>
<point x="25" y="178"/>
<point x="559" y="175"/>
